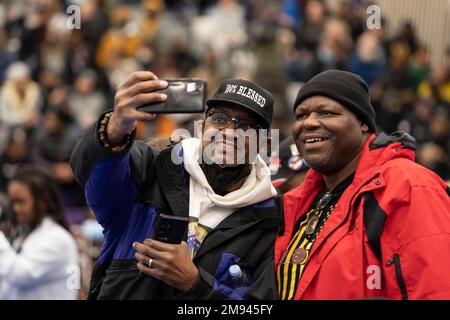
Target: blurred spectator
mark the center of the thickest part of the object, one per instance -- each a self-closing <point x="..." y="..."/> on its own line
<point x="53" y="46"/>
<point x="394" y="94"/>
<point x="440" y="129"/>
<point x="368" y="59"/>
<point x="222" y="28"/>
<point x="291" y="12"/>
<point x="163" y="32"/>
<point x="397" y="76"/>
<point x="354" y="14"/>
<point x="151" y="10"/>
<point x="419" y="67"/>
<point x="54" y="141"/>
<point x="436" y="86"/>
<point x="52" y="146"/>
<point x="310" y="30"/>
<point x="270" y="62"/>
<point x="121" y="40"/>
<point x="6" y="57"/>
<point x="418" y="122"/>
<point x="32" y="19"/>
<point x="94" y="19"/>
<point x="19" y="97"/>
<point x="85" y="102"/>
<point x="434" y="158"/>
<point x="49" y="79"/>
<point x="16" y="153"/>
<point x="38" y="256"/>
<point x="407" y="36"/>
<point x="334" y="46"/>
<point x="78" y="58"/>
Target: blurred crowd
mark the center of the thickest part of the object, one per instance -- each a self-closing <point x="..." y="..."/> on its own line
<point x="56" y="81"/>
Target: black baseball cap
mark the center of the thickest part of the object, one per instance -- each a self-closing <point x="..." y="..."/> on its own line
<point x="246" y="94"/>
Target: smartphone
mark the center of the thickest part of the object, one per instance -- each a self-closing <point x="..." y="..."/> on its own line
<point x="183" y="96"/>
<point x="170" y="229"/>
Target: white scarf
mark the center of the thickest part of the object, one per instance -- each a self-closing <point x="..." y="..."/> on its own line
<point x="206" y="208"/>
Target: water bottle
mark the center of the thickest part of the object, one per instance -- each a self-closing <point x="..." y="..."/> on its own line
<point x="237" y="277"/>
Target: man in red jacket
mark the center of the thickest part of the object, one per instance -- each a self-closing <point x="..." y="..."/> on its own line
<point x="367" y="222"/>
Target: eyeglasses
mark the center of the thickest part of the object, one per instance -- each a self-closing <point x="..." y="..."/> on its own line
<point x="222" y="120"/>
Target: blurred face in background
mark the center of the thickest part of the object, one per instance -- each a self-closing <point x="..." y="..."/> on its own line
<point x="315" y="12"/>
<point x="22" y="202"/>
<point x="440" y="127"/>
<point x="367" y="47"/>
<point x="21" y="84"/>
<point x="52" y="122"/>
<point x="423" y="111"/>
<point x="439" y="76"/>
<point x="423" y="57"/>
<point x="84" y="84"/>
<point x="17" y="148"/>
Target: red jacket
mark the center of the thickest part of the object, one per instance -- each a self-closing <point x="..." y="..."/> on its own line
<point x="392" y="202"/>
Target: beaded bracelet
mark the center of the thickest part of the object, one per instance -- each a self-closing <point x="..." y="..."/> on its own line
<point x="124" y="144"/>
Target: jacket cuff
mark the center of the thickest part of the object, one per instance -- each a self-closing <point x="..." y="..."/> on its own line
<point x="88" y="150"/>
<point x="201" y="288"/>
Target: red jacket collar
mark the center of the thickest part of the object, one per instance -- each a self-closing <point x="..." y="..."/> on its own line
<point x="377" y="150"/>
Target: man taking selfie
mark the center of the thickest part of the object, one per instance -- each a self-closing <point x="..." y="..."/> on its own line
<point x="217" y="183"/>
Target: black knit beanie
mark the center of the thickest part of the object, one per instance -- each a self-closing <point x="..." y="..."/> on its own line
<point x="347" y="88"/>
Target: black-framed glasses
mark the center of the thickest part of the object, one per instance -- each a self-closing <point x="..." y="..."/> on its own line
<point x="222" y="120"/>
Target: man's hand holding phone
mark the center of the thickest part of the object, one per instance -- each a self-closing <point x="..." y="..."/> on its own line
<point x="166" y="257"/>
<point x="139" y="89"/>
<point x="170" y="263"/>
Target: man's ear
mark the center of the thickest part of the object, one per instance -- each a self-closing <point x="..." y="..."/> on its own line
<point x="200" y="127"/>
<point x="364" y="127"/>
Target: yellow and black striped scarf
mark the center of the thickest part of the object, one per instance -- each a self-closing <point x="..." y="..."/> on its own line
<point x="296" y="256"/>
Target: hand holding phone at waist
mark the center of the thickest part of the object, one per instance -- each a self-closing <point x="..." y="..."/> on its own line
<point x="170" y="263"/>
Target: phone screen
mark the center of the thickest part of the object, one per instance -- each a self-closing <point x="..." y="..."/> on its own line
<point x="183" y="96"/>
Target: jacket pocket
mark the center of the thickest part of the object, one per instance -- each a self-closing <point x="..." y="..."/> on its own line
<point x="395" y="260"/>
<point x="123" y="281"/>
<point x="225" y="284"/>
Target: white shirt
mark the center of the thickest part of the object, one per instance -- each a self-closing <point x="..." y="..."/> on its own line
<point x="45" y="268"/>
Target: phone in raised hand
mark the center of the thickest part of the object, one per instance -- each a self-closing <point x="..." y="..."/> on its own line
<point x="185" y="95"/>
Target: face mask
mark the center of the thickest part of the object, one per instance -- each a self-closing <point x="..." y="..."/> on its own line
<point x="326" y="56"/>
<point x="222" y="178"/>
<point x="367" y="56"/>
